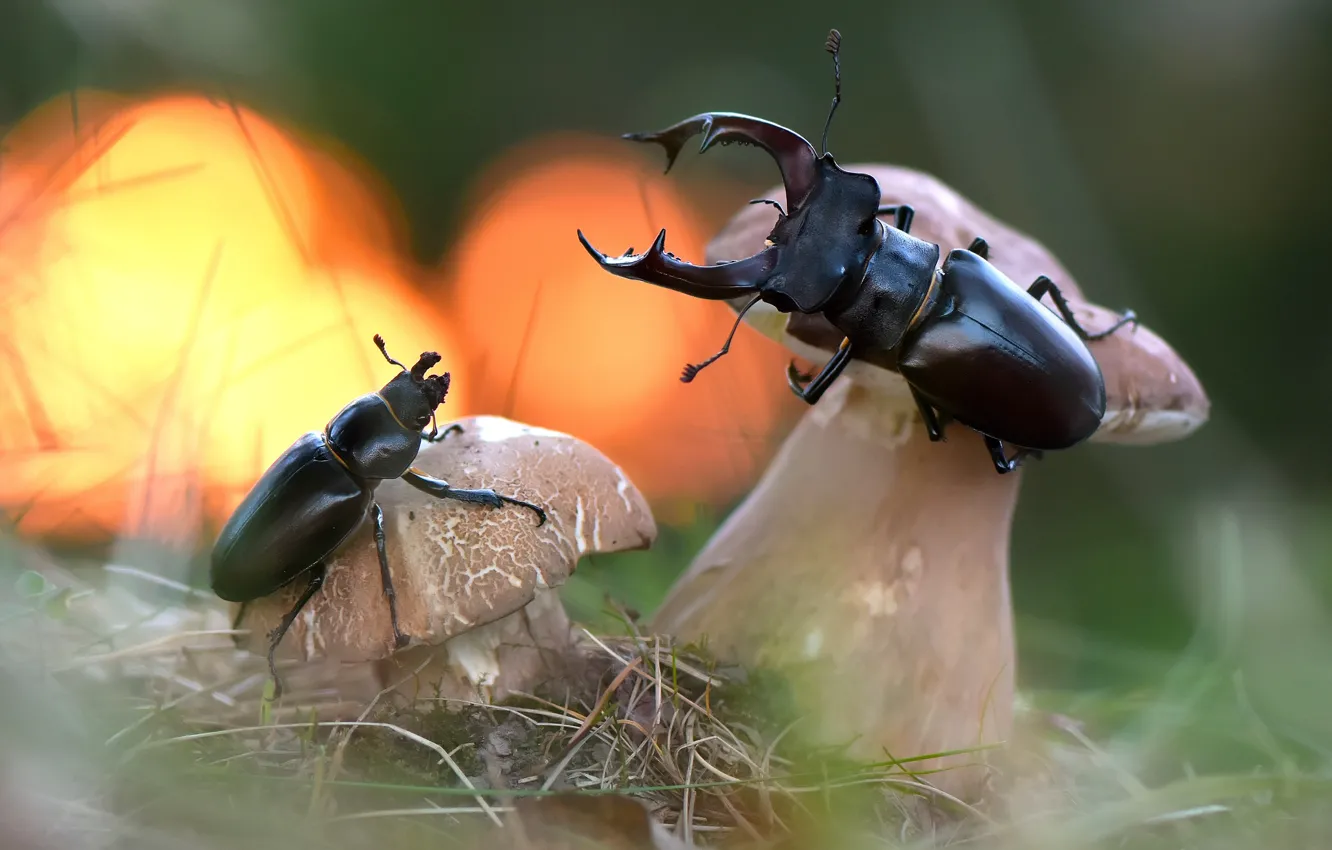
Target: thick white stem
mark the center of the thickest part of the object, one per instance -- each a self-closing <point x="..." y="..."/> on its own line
<point x="526" y="651"/>
<point x="870" y="565"/>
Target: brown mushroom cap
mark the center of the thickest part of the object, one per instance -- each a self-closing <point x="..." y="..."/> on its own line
<point x="870" y="567"/>
<point x="458" y="566"/>
<point x="1152" y="396"/>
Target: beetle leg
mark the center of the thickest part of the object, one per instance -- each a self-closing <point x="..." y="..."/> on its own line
<point x="814" y="390"/>
<point x="441" y="490"/>
<point x="240" y="615"/>
<point x="1043" y="285"/>
<point x="933" y="426"/>
<point x="437" y="435"/>
<point x="795" y="375"/>
<point x="980" y="248"/>
<point x="902" y="215"/>
<point x="381" y="546"/>
<point x="275" y="637"/>
<point x="1002" y="462"/>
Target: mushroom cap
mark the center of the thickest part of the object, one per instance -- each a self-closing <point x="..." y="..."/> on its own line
<point x="1152" y="396"/>
<point x="456" y="566"/>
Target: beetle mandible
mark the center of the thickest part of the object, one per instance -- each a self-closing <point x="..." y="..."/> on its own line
<point x="319" y="491"/>
<point x="972" y="345"/>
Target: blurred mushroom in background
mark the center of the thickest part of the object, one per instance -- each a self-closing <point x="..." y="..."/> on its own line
<point x="476" y="587"/>
<point x="552" y="340"/>
<point x="186" y="331"/>
<point x="870" y="564"/>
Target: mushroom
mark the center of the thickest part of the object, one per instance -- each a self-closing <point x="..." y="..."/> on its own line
<point x="573" y="821"/>
<point x="870" y="564"/>
<point x="476" y="586"/>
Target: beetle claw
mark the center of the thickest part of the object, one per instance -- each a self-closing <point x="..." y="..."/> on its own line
<point x="796" y="378"/>
<point x="795" y="156"/>
<point x="541" y="514"/>
<point x="658" y="266"/>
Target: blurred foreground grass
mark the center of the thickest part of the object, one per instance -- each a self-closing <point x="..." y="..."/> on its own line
<point x="131" y="722"/>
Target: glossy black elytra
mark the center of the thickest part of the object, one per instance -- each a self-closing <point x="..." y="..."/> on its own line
<point x="320" y="490"/>
<point x="972" y="345"/>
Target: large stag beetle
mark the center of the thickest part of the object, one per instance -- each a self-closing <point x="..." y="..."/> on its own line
<point x="972" y="345"/>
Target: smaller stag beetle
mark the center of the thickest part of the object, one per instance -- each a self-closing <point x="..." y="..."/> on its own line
<point x="320" y="490"/>
<point x="973" y="346"/>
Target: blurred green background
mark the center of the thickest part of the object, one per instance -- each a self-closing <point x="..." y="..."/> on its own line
<point x="1173" y="154"/>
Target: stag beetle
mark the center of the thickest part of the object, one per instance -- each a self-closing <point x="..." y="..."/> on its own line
<point x="320" y="490"/>
<point x="972" y="345"/>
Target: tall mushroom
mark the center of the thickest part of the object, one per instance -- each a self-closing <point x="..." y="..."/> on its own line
<point x="476" y="586"/>
<point x="870" y="564"/>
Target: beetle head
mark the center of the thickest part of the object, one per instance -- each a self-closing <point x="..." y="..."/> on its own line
<point x="413" y="395"/>
<point x="824" y="237"/>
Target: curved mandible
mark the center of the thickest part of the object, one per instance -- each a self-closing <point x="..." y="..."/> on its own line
<point x="795" y="156"/>
<point x="715" y="283"/>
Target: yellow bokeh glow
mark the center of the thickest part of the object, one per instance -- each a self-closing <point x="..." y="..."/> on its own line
<point x="202" y="291"/>
<point x="555" y="340"/>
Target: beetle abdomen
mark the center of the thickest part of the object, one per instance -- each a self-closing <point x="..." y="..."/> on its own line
<point x="1002" y="363"/>
<point x="301" y="510"/>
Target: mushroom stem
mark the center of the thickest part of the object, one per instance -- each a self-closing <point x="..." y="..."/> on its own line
<point x="870" y="564"/>
<point x="524" y="651"/>
<point x="872" y="567"/>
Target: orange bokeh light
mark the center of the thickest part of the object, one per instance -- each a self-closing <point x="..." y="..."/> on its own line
<point x="554" y="340"/>
<point x="182" y="294"/>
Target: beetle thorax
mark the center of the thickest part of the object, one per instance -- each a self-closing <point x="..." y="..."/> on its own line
<point x="889" y="297"/>
<point x="371" y="441"/>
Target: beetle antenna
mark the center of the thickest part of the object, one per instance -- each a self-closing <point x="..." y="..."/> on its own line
<point x="691" y="370"/>
<point x="833" y="46"/>
<point x="379" y="341"/>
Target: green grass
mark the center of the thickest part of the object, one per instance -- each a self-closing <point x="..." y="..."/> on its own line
<point x="129" y="721"/>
